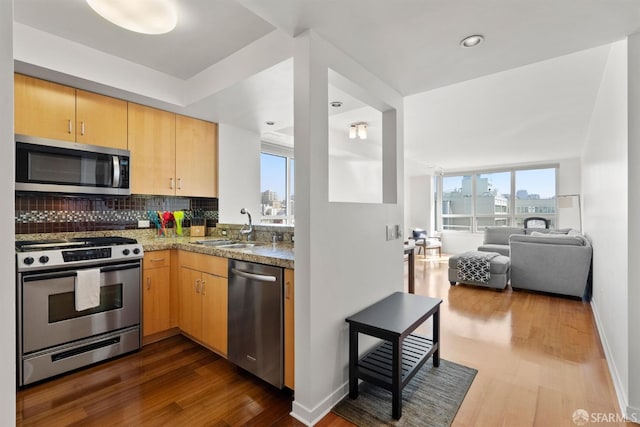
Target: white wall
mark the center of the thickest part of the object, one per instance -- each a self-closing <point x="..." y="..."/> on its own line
<point x="605" y="179"/>
<point x="7" y="253"/>
<point x="355" y="180"/>
<point x="238" y="174"/>
<point x="633" y="233"/>
<point x="339" y="272"/>
<point x="58" y="54"/>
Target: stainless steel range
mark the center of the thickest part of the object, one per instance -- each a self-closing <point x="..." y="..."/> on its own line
<point x="78" y="302"/>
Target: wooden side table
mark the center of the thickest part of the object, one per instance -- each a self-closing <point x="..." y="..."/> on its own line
<point x="393" y="363"/>
<point x="410" y="250"/>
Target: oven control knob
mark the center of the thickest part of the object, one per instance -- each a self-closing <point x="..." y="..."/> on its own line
<point x="136" y="251"/>
<point x="44" y="259"/>
<point x="28" y="260"/>
<point x="125" y="252"/>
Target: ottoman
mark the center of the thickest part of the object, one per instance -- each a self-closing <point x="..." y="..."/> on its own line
<point x="499" y="269"/>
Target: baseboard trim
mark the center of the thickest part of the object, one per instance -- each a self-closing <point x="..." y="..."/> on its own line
<point x="159" y="336"/>
<point x="310" y="417"/>
<point x="623" y="399"/>
<point x="633" y="414"/>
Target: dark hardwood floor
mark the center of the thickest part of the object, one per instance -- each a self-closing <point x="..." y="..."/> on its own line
<point x="172" y="382"/>
<point x="538" y="357"/>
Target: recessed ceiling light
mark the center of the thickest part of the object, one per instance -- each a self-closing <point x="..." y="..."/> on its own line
<point x="336" y="104"/>
<point x="270" y="123"/>
<point x="472" y="41"/>
<point x="141" y="16"/>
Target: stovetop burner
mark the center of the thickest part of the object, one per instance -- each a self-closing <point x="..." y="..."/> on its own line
<point x="77" y="252"/>
<point x="75" y="242"/>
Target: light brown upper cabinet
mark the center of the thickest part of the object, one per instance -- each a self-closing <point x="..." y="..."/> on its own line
<point x="196" y="157"/>
<point x="101" y="120"/>
<point x="152" y="142"/>
<point x="172" y="154"/>
<point x="55" y="111"/>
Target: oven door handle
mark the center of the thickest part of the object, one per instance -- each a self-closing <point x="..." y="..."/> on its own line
<point x="63" y="274"/>
<point x="119" y="267"/>
<point x="48" y="276"/>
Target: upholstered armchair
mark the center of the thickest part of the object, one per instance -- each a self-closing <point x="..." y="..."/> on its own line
<point x="424" y="242"/>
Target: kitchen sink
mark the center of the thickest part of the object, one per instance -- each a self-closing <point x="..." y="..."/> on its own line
<point x="241" y="245"/>
<point x="213" y="242"/>
<point x="227" y="244"/>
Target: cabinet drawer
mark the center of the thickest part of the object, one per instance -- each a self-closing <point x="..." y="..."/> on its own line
<point x="211" y="264"/>
<point x="156" y="259"/>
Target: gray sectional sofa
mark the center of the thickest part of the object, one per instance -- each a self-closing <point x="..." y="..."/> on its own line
<point x="552" y="261"/>
<point x="555" y="263"/>
<point x="496" y="239"/>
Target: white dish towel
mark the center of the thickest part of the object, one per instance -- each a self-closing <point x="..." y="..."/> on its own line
<point x="87" y="289"/>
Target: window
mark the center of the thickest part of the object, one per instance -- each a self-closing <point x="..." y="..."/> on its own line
<point x="535" y="195"/>
<point x="474" y="201"/>
<point x="493" y="194"/>
<point x="456" y="203"/>
<point x="276" y="187"/>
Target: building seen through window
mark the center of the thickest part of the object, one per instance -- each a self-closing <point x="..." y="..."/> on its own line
<point x="472" y="202"/>
<point x="276" y="185"/>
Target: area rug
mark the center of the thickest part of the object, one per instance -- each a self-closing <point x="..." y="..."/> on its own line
<point x="431" y="398"/>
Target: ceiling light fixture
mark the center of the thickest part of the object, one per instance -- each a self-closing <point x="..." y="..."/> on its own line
<point x="141" y="16"/>
<point x="358" y="130"/>
<point x="472" y="41"/>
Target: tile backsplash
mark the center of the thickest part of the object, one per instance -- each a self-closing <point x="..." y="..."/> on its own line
<point x="45" y="213"/>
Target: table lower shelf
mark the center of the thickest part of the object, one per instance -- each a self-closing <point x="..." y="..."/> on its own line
<point x="375" y="366"/>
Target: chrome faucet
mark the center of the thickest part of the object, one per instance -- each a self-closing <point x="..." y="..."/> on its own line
<point x="250" y="225"/>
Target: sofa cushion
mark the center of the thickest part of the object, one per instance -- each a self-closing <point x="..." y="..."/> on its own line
<point x="530" y="231"/>
<point x="500" y="235"/>
<point x="552" y="239"/>
<point x="501" y="249"/>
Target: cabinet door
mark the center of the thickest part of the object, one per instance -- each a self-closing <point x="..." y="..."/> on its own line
<point x="289" y="330"/>
<point x="152" y="142"/>
<point x="214" y="312"/>
<point x="196" y="157"/>
<point x="44" y="109"/>
<point x="190" y="284"/>
<point x="101" y="120"/>
<point x="155" y="300"/>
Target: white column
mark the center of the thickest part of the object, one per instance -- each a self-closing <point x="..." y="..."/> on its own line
<point x="343" y="261"/>
<point x="7" y="252"/>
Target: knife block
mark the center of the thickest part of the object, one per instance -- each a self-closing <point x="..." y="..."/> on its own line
<point x="197" y="230"/>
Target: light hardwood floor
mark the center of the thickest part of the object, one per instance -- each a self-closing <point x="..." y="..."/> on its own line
<point x="539" y="359"/>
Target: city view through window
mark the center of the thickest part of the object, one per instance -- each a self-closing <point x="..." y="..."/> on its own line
<point x="495" y="201"/>
<point x="277" y="189"/>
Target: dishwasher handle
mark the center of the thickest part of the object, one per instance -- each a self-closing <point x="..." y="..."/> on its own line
<point x="253" y="276"/>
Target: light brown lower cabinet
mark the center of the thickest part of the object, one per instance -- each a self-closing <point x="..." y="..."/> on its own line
<point x="203" y="299"/>
<point x="289" y="330"/>
<point x="156" y="292"/>
<point x="202" y="296"/>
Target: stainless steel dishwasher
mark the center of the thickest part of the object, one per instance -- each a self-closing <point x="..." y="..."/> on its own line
<point x="256" y="320"/>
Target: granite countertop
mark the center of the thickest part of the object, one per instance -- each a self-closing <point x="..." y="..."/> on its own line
<point x="276" y="254"/>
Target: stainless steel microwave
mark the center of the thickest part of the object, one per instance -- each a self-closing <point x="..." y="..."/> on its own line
<point x="47" y="165"/>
